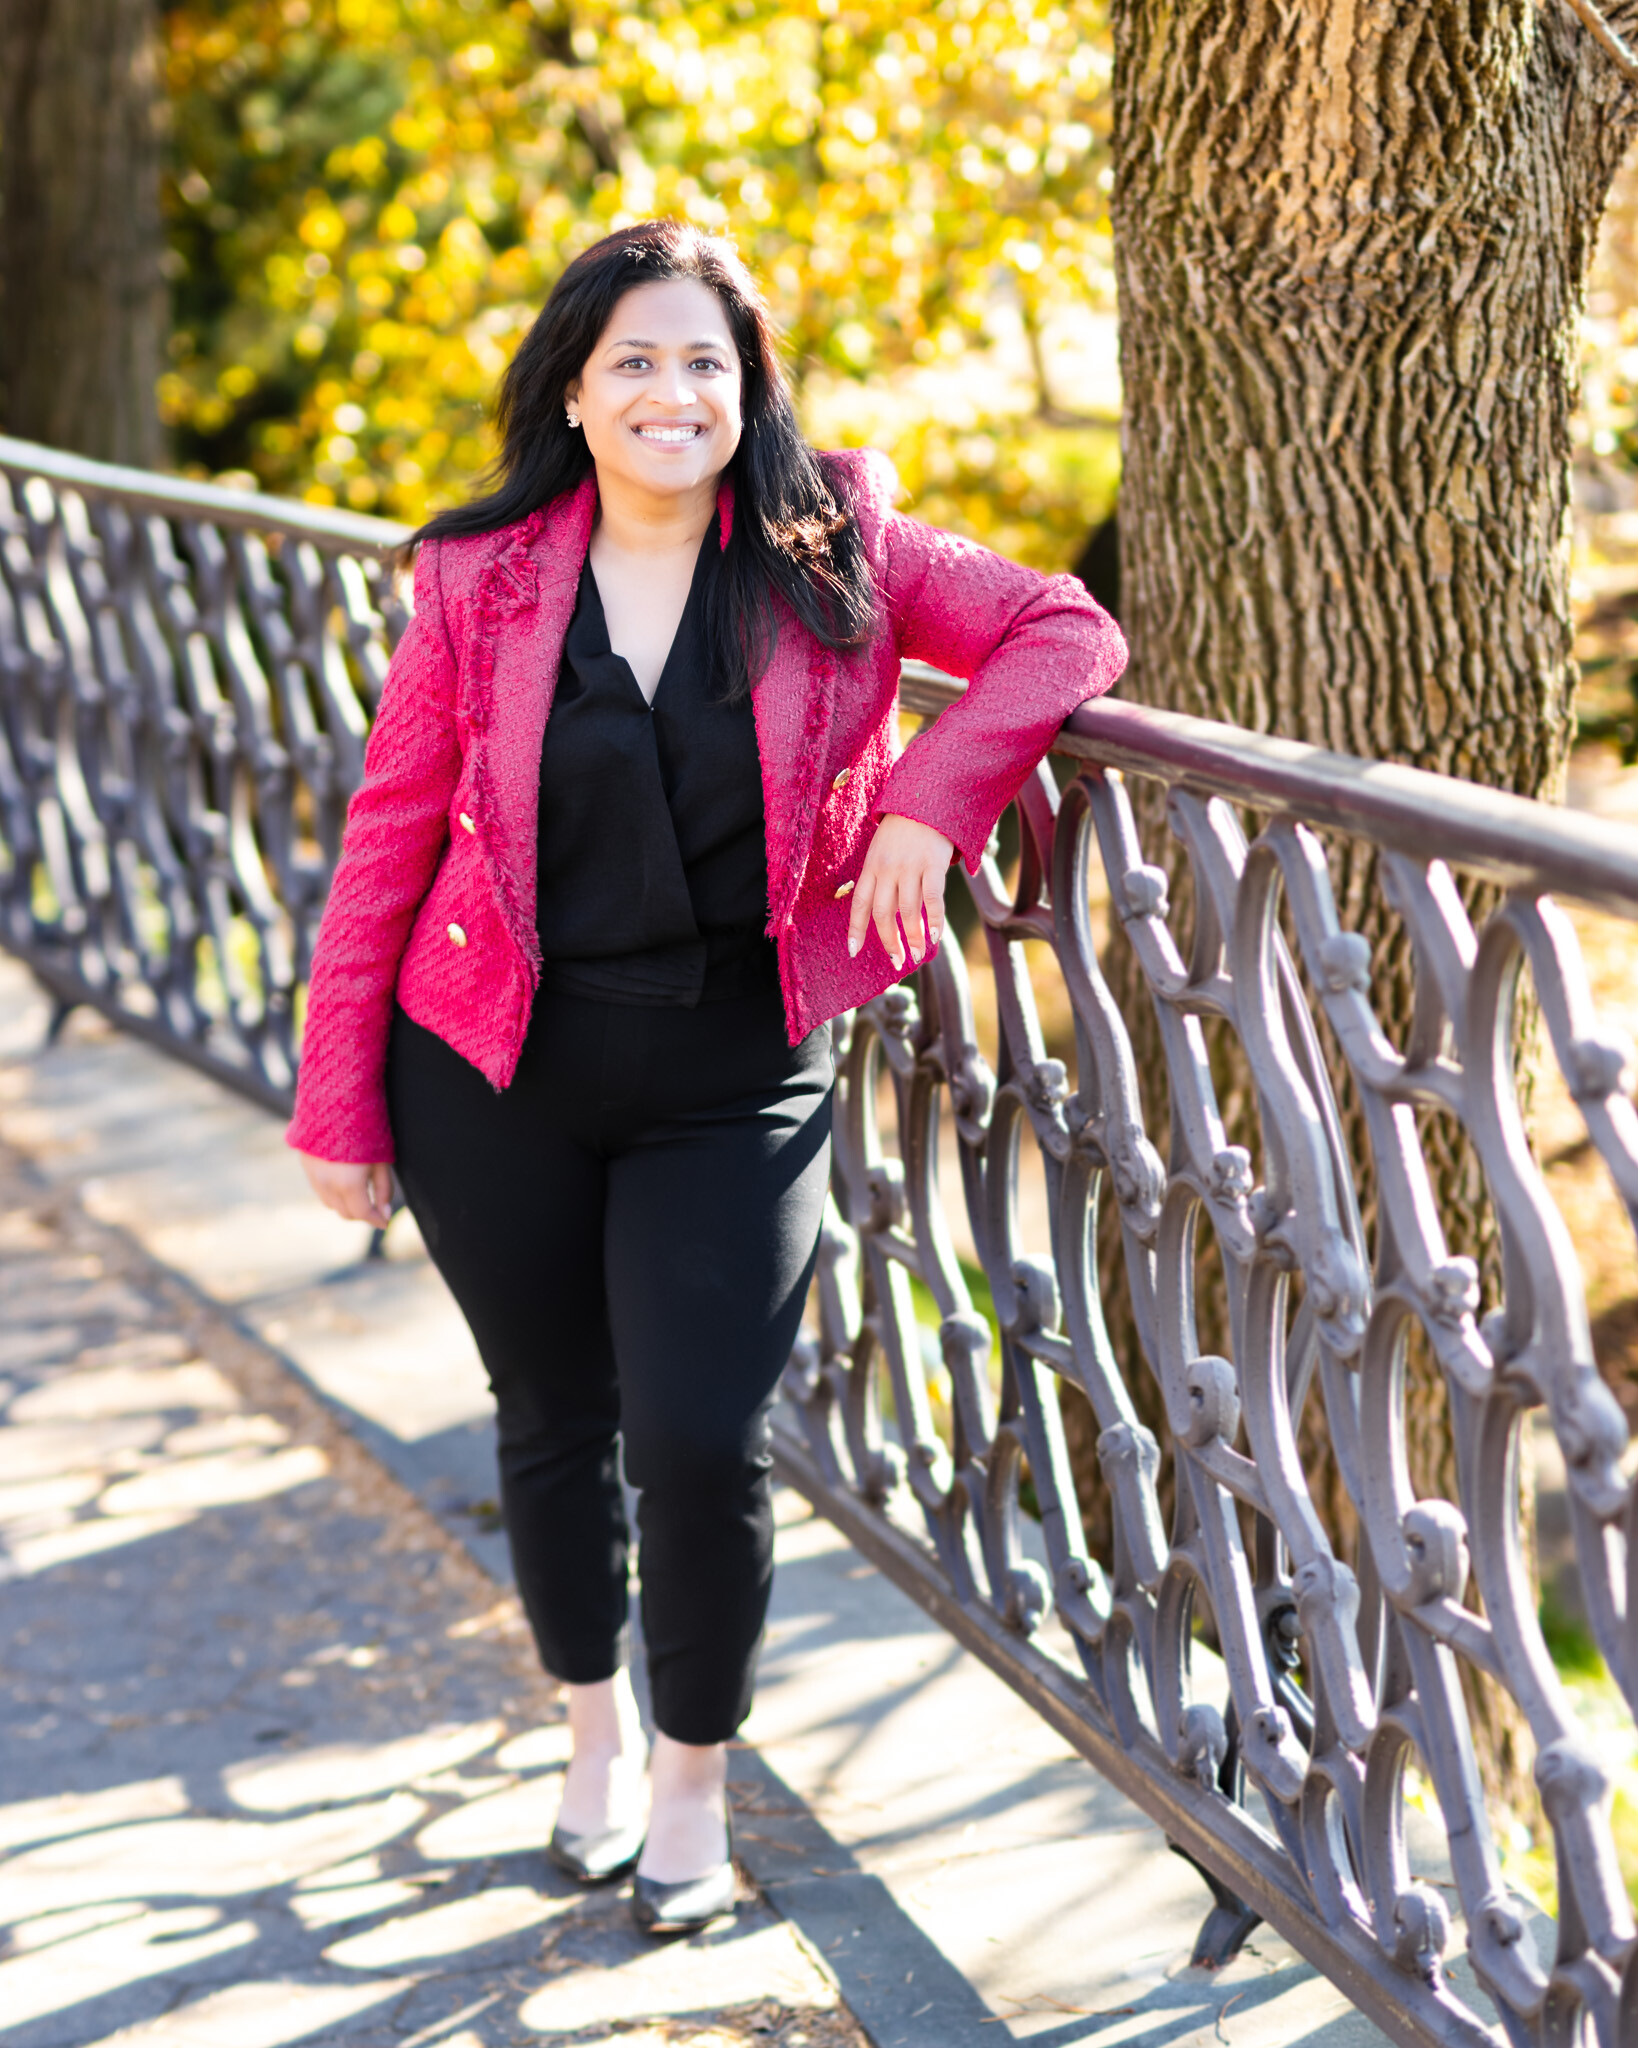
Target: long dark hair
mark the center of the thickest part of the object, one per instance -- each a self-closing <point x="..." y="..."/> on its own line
<point x="794" y="536"/>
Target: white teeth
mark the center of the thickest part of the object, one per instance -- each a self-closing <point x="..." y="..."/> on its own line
<point x="690" y="433"/>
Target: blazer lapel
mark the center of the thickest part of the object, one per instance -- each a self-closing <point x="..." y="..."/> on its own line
<point x="793" y="705"/>
<point x="521" y="617"/>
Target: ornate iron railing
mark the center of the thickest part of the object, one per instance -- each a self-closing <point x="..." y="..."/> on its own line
<point x="185" y="680"/>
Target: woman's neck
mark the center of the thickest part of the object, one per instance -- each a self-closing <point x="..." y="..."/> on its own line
<point x="636" y="523"/>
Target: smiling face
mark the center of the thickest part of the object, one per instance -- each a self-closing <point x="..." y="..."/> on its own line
<point x="659" y="397"/>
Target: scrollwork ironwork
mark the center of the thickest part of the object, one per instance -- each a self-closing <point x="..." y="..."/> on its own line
<point x="1336" y="1675"/>
<point x="186" y="682"/>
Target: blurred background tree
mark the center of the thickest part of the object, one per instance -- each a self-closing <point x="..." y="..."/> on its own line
<point x="82" y="256"/>
<point x="370" y="198"/>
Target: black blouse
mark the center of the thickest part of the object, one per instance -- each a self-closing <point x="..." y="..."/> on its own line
<point x="653" y="875"/>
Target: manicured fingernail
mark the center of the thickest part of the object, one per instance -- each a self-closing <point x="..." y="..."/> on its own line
<point x="853" y="946"/>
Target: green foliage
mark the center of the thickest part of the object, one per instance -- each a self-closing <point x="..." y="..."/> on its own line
<point x="1569" y="1642"/>
<point x="1607" y="704"/>
<point x="370" y="198"/>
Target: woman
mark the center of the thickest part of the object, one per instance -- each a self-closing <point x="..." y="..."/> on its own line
<point x="633" y="827"/>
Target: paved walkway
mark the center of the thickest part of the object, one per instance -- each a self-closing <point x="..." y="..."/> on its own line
<point x="963" y="1877"/>
<point x="275" y="1759"/>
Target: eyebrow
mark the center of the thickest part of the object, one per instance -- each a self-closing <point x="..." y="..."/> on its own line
<point x="632" y="341"/>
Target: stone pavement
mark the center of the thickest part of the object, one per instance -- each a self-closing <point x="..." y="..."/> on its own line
<point x="275" y="1758"/>
<point x="964" y="1877"/>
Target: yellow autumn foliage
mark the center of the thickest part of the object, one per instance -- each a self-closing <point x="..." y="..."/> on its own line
<point x="373" y="197"/>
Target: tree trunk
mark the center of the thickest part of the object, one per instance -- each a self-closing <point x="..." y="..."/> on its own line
<point x="82" y="295"/>
<point x="1351" y="245"/>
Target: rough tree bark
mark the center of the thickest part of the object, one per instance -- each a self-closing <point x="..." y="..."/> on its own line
<point x="82" y="296"/>
<point x="1351" y="240"/>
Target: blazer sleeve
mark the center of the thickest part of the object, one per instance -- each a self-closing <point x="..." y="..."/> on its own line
<point x="1032" y="647"/>
<point x="397" y="827"/>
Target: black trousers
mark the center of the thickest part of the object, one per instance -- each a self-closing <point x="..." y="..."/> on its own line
<point x="630" y="1229"/>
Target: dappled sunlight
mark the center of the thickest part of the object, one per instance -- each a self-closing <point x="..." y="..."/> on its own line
<point x="540" y="1749"/>
<point x="264" y="2015"/>
<point x="220" y="1481"/>
<point x="854" y="1733"/>
<point x="78" y="1813"/>
<point x="27" y="1502"/>
<point x="362" y="1870"/>
<point x="448" y="1930"/>
<point x="353" y="1770"/>
<point x="103" y="1890"/>
<point x="144" y="1945"/>
<point x="28" y="1555"/>
<point x="361" y="1901"/>
<point x="124" y="1390"/>
<point x="362" y="1845"/>
<point x="505" y="1824"/>
<point x="212" y="1859"/>
<point x="226" y="1433"/>
<point x="368" y="1857"/>
<point x="48" y="1929"/>
<point x="32" y="1451"/>
<point x="80" y="1894"/>
<point x="92" y="1460"/>
<point x="731" y="1965"/>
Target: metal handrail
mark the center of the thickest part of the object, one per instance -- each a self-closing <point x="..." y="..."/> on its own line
<point x="178" y="497"/>
<point x="186" y="680"/>
<point x="1515" y="841"/>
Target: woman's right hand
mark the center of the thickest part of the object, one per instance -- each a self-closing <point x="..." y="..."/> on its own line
<point x="363" y="1194"/>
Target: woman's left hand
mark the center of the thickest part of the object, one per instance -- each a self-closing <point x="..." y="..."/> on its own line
<point x="902" y="882"/>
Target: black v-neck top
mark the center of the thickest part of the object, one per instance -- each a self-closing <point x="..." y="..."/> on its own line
<point x="653" y="876"/>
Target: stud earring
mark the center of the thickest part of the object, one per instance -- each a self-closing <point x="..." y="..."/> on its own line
<point x="573" y="418"/>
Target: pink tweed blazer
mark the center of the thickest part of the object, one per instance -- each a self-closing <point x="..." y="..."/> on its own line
<point x="434" y="896"/>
